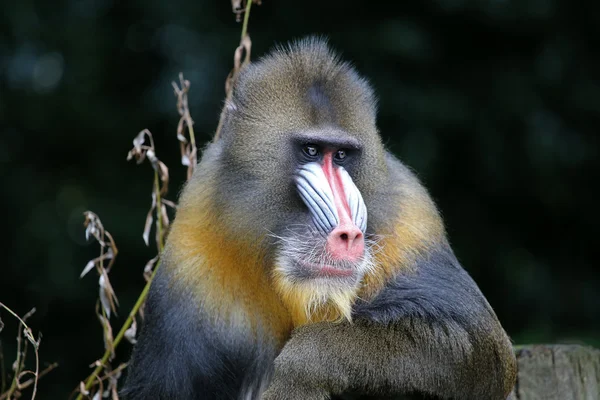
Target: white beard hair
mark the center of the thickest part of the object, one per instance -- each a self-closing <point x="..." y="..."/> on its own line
<point x="318" y="292"/>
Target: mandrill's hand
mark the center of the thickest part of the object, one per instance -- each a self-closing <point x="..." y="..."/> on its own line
<point x="304" y="370"/>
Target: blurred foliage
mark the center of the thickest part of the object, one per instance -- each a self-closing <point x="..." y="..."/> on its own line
<point x="494" y="103"/>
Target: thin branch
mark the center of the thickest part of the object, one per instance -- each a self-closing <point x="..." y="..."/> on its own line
<point x="44" y="372"/>
<point x="189" y="150"/>
<point x="21" y="354"/>
<point x="159" y="215"/>
<point x="246" y="19"/>
<point x="2" y="369"/>
<point x="245" y="46"/>
<point x="159" y="204"/>
<point x="90" y="380"/>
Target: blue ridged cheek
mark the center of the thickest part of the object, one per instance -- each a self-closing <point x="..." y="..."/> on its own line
<point x="355" y="201"/>
<point x="316" y="193"/>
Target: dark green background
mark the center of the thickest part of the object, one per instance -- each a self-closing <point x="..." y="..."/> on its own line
<point x="495" y="104"/>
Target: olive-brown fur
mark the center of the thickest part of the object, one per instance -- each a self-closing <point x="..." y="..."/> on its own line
<point x="222" y="324"/>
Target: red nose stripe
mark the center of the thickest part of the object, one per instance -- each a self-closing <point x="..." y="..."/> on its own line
<point x="337" y="187"/>
<point x="346" y="241"/>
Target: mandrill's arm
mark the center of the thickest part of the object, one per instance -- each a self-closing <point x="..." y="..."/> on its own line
<point x="431" y="333"/>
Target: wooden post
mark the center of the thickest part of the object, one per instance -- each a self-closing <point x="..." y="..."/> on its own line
<point x="557" y="372"/>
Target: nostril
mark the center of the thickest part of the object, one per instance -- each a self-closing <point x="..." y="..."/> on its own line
<point x="346" y="243"/>
<point x="349" y="237"/>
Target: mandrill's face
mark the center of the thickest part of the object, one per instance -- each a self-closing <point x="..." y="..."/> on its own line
<point x="302" y="143"/>
<point x="325" y="251"/>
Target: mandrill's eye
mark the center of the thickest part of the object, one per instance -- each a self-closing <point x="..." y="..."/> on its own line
<point x="311" y="150"/>
<point x="340" y="155"/>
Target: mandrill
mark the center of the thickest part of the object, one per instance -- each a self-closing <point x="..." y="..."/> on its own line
<point x="307" y="262"/>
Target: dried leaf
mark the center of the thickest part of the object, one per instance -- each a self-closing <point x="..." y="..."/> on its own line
<point x="180" y="126"/>
<point x="108" y="255"/>
<point x="107" y="329"/>
<point x="108" y="298"/>
<point x="139" y="150"/>
<point x="149" y="219"/>
<point x="141" y="311"/>
<point x="181" y="94"/>
<point x="165" y="217"/>
<point x="238" y="9"/>
<point x="114" y="392"/>
<point x="185" y="160"/>
<point x="169" y="203"/>
<point x="131" y="333"/>
<point x="113" y="383"/>
<point x="152" y="157"/>
<point x="104" y="296"/>
<point x="28" y="334"/>
<point x="229" y="82"/>
<point x="149" y="268"/>
<point x="187" y="148"/>
<point x="82" y="389"/>
<point x="94" y="227"/>
<point x="243" y="50"/>
<point x="88" y="267"/>
<point x="236" y="5"/>
<point x="158" y="234"/>
<point x="139" y="140"/>
<point x="163" y="172"/>
<point x="147" y="226"/>
<point x="88" y="231"/>
<point x="112" y="251"/>
<point x="247" y="45"/>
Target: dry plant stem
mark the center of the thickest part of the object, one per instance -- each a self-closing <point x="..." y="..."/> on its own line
<point x="229" y="92"/>
<point x="159" y="225"/>
<point x="190" y="125"/>
<point x="184" y="111"/>
<point x="2" y="370"/>
<point x="20" y="361"/>
<point x="90" y="380"/>
<point x="140" y="301"/>
<point x="246" y="18"/>
<point x="114" y="372"/>
<point x="142" y="298"/>
<point x="45" y="371"/>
